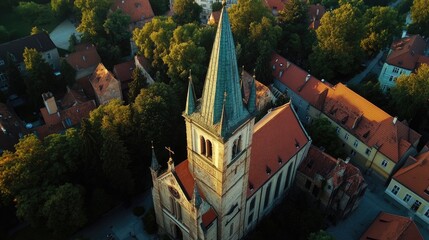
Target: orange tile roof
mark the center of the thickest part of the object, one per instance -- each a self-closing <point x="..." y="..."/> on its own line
<point x="275" y="4"/>
<point x="138" y="10"/>
<point x="406" y="51"/>
<point x="360" y="117"/>
<point x="277" y="136"/>
<point x="124" y="71"/>
<point x="317" y="162"/>
<point x="422" y="60"/>
<point x="369" y="123"/>
<point x="85" y="56"/>
<point x="299" y="81"/>
<point x="261" y="90"/>
<point x="86" y="86"/>
<point x="214" y="17"/>
<point x="387" y="226"/>
<point x="101" y="79"/>
<point x="315" y="13"/>
<point x="72" y="97"/>
<point x="415" y="176"/>
<point x="186" y="181"/>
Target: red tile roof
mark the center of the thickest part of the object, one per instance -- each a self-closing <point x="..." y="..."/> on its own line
<point x="101" y="80"/>
<point x="85" y="56"/>
<point x="406" y="51"/>
<point x="360" y="117"/>
<point x="392" y="227"/>
<point x="86" y="86"/>
<point x="279" y="135"/>
<point x="124" y="71"/>
<point x="315" y="13"/>
<point x="277" y="5"/>
<point x="321" y="163"/>
<point x="214" y="17"/>
<point x="415" y="176"/>
<point x="138" y="10"/>
<point x="186" y="181"/>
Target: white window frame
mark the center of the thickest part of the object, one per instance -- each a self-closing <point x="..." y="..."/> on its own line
<point x="407" y="198"/>
<point x="346" y="137"/>
<point x="356" y="143"/>
<point x="384" y="163"/>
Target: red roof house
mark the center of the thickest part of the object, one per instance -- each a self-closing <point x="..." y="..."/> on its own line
<point x="140" y="11"/>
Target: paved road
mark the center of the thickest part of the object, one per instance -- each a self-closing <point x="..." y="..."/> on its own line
<point x="61" y="34"/>
<point x="370" y="65"/>
<point x="374" y="201"/>
<point x="120" y="223"/>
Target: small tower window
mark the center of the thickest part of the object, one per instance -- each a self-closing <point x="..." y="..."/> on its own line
<point x="202" y="145"/>
<point x="209" y="148"/>
<point x="239" y="144"/>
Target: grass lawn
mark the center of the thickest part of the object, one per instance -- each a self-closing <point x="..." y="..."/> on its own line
<point x="20" y="27"/>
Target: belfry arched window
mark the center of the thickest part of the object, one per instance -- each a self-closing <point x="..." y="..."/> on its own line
<point x="209" y="148"/>
<point x="202" y="146"/>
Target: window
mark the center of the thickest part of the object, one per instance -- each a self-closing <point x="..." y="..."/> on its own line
<point x="250" y="219"/>
<point x="368" y="151"/>
<point x="384" y="163"/>
<point x="308" y="184"/>
<point x="267" y="195"/>
<point x="252" y="205"/>
<point x="231" y="229"/>
<point x="356" y="143"/>
<point x="395" y="70"/>
<point x="68" y="122"/>
<point x="202" y="145"/>
<point x="353" y="153"/>
<point x="287" y="177"/>
<point x="48" y="55"/>
<point x="416" y="205"/>
<point x="346" y="137"/>
<point x="338" y="130"/>
<point x="407" y="198"/>
<point x="276" y="192"/>
<point x="427" y="213"/>
<point x="209" y="148"/>
<point x="395" y="189"/>
<point x="390" y="78"/>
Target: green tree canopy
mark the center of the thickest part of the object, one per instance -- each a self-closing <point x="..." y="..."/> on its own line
<point x="325" y="135"/>
<point x="159" y="7"/>
<point x="321" y="235"/>
<point x="116" y="27"/>
<point x="294" y="12"/>
<point x="62" y="8"/>
<point x="420" y="17"/>
<point x="186" y="11"/>
<point x="338" y="52"/>
<point x="381" y="25"/>
<point x="40" y="77"/>
<point x="4" y="34"/>
<point x="410" y="96"/>
<point x="94" y="13"/>
<point x="139" y="81"/>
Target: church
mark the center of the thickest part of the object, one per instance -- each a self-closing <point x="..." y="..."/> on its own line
<point x="236" y="170"/>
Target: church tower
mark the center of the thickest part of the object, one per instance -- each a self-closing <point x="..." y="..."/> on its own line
<point x="219" y="129"/>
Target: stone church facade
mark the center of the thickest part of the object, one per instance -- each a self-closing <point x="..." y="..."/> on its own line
<point x="236" y="170"/>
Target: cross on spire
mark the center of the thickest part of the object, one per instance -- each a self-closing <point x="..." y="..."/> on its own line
<point x="169" y="151"/>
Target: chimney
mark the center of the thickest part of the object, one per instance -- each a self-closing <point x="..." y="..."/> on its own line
<point x="395" y="119"/>
<point x="347" y="160"/>
<point x="49" y="101"/>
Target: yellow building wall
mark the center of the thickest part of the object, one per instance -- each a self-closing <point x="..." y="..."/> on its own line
<point x="399" y="197"/>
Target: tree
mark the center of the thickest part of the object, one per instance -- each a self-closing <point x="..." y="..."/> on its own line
<point x="294" y="12"/>
<point x="16" y="82"/>
<point x="420" y="17"/>
<point x="4" y="34"/>
<point x="116" y="27"/>
<point x="337" y="53"/>
<point x="321" y="235"/>
<point x="40" y="77"/>
<point x="94" y="13"/>
<point x="61" y="8"/>
<point x="139" y="81"/>
<point x="37" y="14"/>
<point x="410" y="95"/>
<point x="159" y="6"/>
<point x="381" y="25"/>
<point x="325" y="135"/>
<point x="68" y="74"/>
<point x="64" y="209"/>
<point x="216" y="6"/>
<point x="153" y="40"/>
<point x="157" y="115"/>
<point x="186" y="11"/>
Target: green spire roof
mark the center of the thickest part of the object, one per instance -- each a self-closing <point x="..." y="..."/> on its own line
<point x="223" y="80"/>
<point x="154" y="164"/>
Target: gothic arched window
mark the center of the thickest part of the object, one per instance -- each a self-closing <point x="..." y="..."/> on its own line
<point x="239" y="144"/>
<point x="202" y="145"/>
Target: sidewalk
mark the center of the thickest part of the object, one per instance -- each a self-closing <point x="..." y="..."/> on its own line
<point x="359" y="77"/>
<point x="119" y="223"/>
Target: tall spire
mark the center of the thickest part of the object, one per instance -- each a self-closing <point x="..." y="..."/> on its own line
<point x="190" y="101"/>
<point x="154" y="165"/>
<point x="223" y="77"/>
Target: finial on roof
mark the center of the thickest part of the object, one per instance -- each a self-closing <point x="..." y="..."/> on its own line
<point x="190" y="100"/>
<point x="170" y="159"/>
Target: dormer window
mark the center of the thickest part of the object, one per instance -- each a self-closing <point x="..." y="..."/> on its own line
<point x="268" y="170"/>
